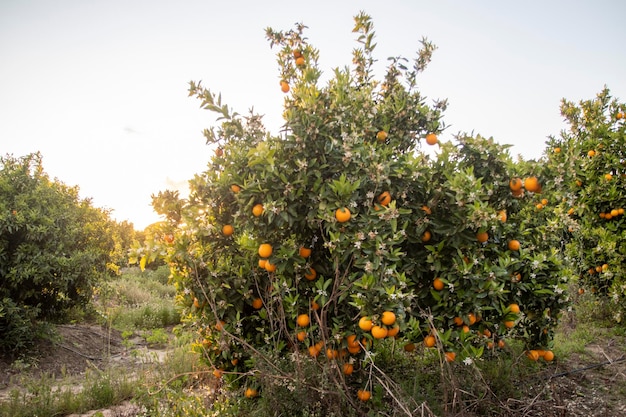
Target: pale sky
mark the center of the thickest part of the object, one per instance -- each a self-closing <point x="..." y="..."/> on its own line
<point x="100" y="87"/>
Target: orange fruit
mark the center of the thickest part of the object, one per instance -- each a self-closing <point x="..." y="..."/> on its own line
<point x="458" y="321"/>
<point x="332" y="353"/>
<point x="228" y="230"/>
<point x="533" y="355"/>
<point x="258" y="209"/>
<point x="532" y="184"/>
<point x="235" y="188"/>
<point x="384" y="199"/>
<point x="501" y="344"/>
<point x="311" y="275"/>
<point x="591" y="153"/>
<point x="262" y="263"/>
<point x="614" y="212"/>
<point x="581" y="291"/>
<point x="482" y="237"/>
<point x="465" y="329"/>
<point x="514" y="308"/>
<point x="342" y="215"/>
<point x="303" y="320"/>
<point x="314" y="351"/>
<point x="270" y="267"/>
<point x="363" y="395"/>
<point x="514" y="245"/>
<point x="257" y="303"/>
<point x="219" y="152"/>
<point x="251" y="393"/>
<point x="426" y="236"/>
<point x="472" y="318"/>
<point x="305" y="252"/>
<point x="409" y="347"/>
<point x="427" y="210"/>
<point x="557" y="150"/>
<point x="487" y="332"/>
<point x="300" y="61"/>
<point x="515" y="184"/>
<point x="430" y="341"/>
<point x="548" y="356"/>
<point x="431" y="139"/>
<point x="379" y="332"/>
<point x="388" y="318"/>
<point x="217" y="373"/>
<point x="347" y="368"/>
<point x="544" y="201"/>
<point x="438" y="284"/>
<point x="301" y="335"/>
<point x="314" y="305"/>
<point x="265" y="250"/>
<point x="351" y="341"/>
<point x="284" y="86"/>
<point x="619" y="115"/>
<point x="365" y="324"/>
<point x="450" y="356"/>
<point x="539" y="206"/>
<point x="382" y="135"/>
<point x="393" y="332"/>
<point x="579" y="183"/>
<point x="509" y="324"/>
<point x="608" y="177"/>
<point x="502" y="216"/>
<point x="605" y="267"/>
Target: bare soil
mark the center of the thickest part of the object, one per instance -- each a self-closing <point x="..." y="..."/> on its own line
<point x="587" y="384"/>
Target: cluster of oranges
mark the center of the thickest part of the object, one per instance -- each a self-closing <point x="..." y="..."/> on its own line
<point x="612" y="214"/>
<point x="386" y="328"/>
<point x="530" y="184"/>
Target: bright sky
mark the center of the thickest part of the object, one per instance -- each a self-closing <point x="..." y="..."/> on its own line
<point x="100" y="87"/>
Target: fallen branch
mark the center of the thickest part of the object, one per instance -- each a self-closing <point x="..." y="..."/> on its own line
<point x="586" y="368"/>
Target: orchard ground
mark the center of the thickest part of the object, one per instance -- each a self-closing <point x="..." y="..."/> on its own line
<point x="588" y="385"/>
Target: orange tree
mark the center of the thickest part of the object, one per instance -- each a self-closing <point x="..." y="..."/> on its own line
<point x="589" y="159"/>
<point x="341" y="233"/>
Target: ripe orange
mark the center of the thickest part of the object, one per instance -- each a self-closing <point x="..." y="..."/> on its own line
<point x="303" y="320"/>
<point x="465" y="329"/>
<point x="619" y="115"/>
<point x="300" y="61"/>
<point x="265" y="250"/>
<point x="257" y="303"/>
<point x="532" y="184"/>
<point x="427" y="210"/>
<point x="515" y="184"/>
<point x="314" y="305"/>
<point x="514" y="245"/>
<point x="351" y="341"/>
<point x="608" y="177"/>
<point x="472" y="318"/>
<point x="258" y="209"/>
<point x="450" y="356"/>
<point x="431" y="139"/>
<point x="393" y="332"/>
<point x="219" y="152"/>
<point x="228" y="230"/>
<point x="548" y="356"/>
<point x="426" y="236"/>
<point x="501" y="344"/>
<point x="502" y="216"/>
<point x="384" y="199"/>
<point x="438" y="284"/>
<point x="311" y="275"/>
<point x="379" y="332"/>
<point x="314" y="351"/>
<point x="235" y="188"/>
<point x="251" y="393"/>
<point x="382" y="135"/>
<point x="614" y="212"/>
<point x="284" y="86"/>
<point x="305" y="252"/>
<point x="217" y="373"/>
<point x="363" y="395"/>
<point x="365" y="324"/>
<point x="262" y="263"/>
<point x="301" y="335"/>
<point x="332" y="353"/>
<point x="430" y="341"/>
<point x="342" y="215"/>
<point x="458" y="321"/>
<point x="388" y="318"/>
<point x="591" y="153"/>
<point x="533" y="355"/>
<point x="509" y="324"/>
<point x="544" y="201"/>
<point x="557" y="150"/>
<point x="514" y="308"/>
<point x="482" y="237"/>
<point x="347" y="368"/>
<point x="270" y="267"/>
